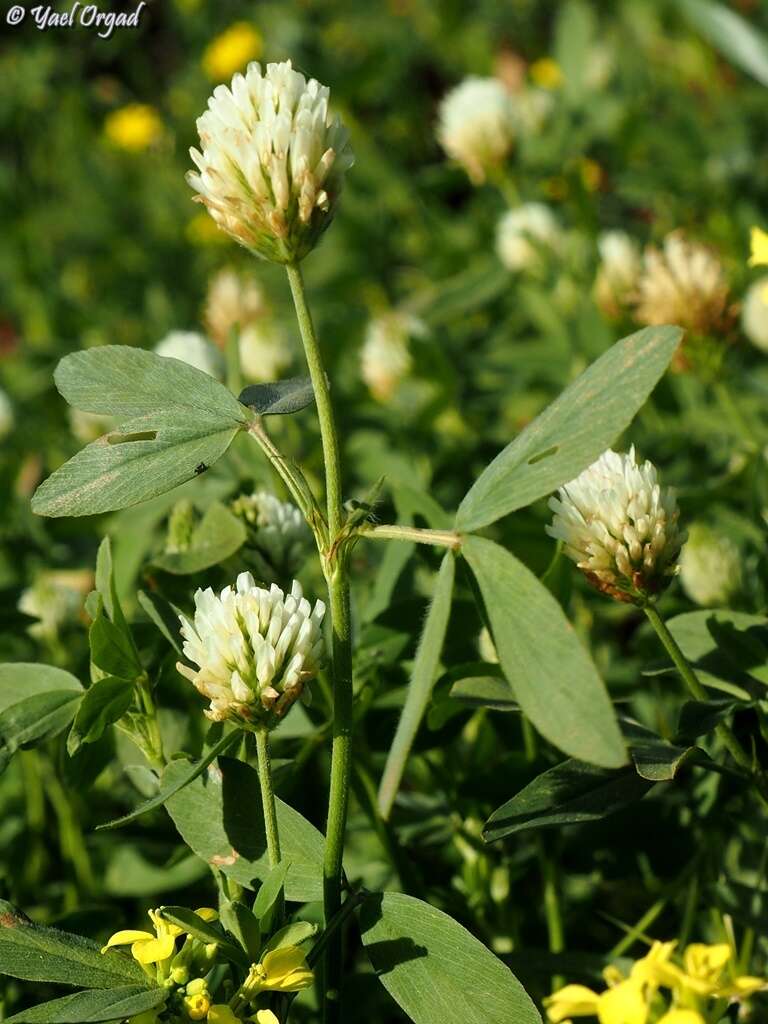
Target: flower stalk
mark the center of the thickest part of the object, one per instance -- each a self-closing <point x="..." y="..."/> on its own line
<point x="267" y="796"/>
<point x="336" y="573"/>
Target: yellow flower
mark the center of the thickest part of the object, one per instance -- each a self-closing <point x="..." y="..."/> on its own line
<point x="281" y="970"/>
<point x="681" y="1017"/>
<point x="134" y="127"/>
<point x="265" y="1017"/>
<point x="231" y="51"/>
<point x="571" y="1001"/>
<point x="222" y="1014"/>
<point x="623" y="1004"/>
<point x="758" y="244"/>
<point x="546" y="73"/>
<point x="152" y="949"/>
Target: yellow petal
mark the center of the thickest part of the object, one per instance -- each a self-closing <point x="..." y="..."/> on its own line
<point x="745" y="985"/>
<point x="220" y="1013"/>
<point x="125" y="938"/>
<point x="651" y="969"/>
<point x="623" y="1004"/>
<point x="264" y="1017"/>
<point x="152" y="951"/>
<point x="681" y="1017"/>
<point x="571" y="1001"/>
<point x="706" y="962"/>
<point x="207" y="913"/>
<point x="286" y="966"/>
<point x="758" y="243"/>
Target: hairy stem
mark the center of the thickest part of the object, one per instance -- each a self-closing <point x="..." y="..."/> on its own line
<point x="268" y="796"/>
<point x="440" y="538"/>
<point x="336" y="574"/>
<point x="723" y="731"/>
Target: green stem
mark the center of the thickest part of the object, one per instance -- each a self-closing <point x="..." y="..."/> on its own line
<point x="723" y="731"/>
<point x="552" y="909"/>
<point x="267" y="796"/>
<point x="336" y="574"/>
<point x="155" y="753"/>
<point x="440" y="538"/>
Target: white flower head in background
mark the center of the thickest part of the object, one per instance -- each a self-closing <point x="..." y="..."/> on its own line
<point x="7" y="419"/>
<point x="523" y="233"/>
<point x="235" y="301"/>
<point x="255" y="650"/>
<point x="754" y="314"/>
<point x="191" y="347"/>
<point x="279" y="531"/>
<point x="56" y="599"/>
<point x="620" y="526"/>
<point x="618" y="273"/>
<point x="88" y="426"/>
<point x="710" y="567"/>
<point x="475" y="126"/>
<point x="683" y="283"/>
<point x="385" y="358"/>
<point x="272" y="161"/>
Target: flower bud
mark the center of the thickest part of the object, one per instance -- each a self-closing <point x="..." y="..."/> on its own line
<point x="710" y="567"/>
<point x="475" y="126"/>
<point x="523" y="233"/>
<point x="279" y="533"/>
<point x="385" y="358"/>
<point x="273" y="161"/>
<point x="194" y="349"/>
<point x="617" y="275"/>
<point x="255" y="649"/>
<point x="620" y="527"/>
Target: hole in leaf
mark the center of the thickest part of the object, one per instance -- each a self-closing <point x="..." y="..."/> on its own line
<point x="143" y="435"/>
<point x="543" y="455"/>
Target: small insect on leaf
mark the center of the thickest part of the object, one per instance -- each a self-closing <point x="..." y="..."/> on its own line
<point x="200" y="468"/>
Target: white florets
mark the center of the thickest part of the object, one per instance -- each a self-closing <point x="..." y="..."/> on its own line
<point x="192" y="348"/>
<point x="619" y="526"/>
<point x="272" y="161"/>
<point x="475" y="125"/>
<point x="255" y="649"/>
<point x="522" y="233"/>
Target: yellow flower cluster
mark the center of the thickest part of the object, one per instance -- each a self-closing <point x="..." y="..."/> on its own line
<point x="281" y="970"/>
<point x="692" y="982"/>
<point x="231" y="51"/>
<point x="134" y="127"/>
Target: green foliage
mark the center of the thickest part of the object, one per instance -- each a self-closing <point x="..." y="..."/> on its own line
<point x="88" y="1007"/>
<point x="548" y="668"/>
<point x="435" y="970"/>
<point x="36" y="703"/>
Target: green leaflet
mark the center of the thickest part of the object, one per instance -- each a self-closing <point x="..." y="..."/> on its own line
<point x="573" y="431"/>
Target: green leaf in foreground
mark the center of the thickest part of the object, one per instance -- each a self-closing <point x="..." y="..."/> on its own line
<point x="218" y="536"/>
<point x="420" y="686"/>
<point x="35" y="953"/>
<point x="435" y="970"/>
<point x="281" y="397"/>
<point x="103" y="703"/>
<point x="730" y="33"/>
<point x="571" y="793"/>
<point x="219" y="817"/>
<point x="175" y="422"/>
<point x="573" y="431"/>
<point x="550" y="672"/>
<point x="184" y="772"/>
<point x="91" y="1007"/>
<point x="36" y="703"/>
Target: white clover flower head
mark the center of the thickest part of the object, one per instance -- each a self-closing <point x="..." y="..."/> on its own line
<point x="191" y="347"/>
<point x="272" y="161"/>
<point x="710" y="567"/>
<point x="523" y="233"/>
<point x="280" y="532"/>
<point x="475" y="125"/>
<point x="265" y="351"/>
<point x="233" y="300"/>
<point x="385" y="358"/>
<point x="619" y="526"/>
<point x="618" y="273"/>
<point x="88" y="426"/>
<point x="754" y="314"/>
<point x="255" y="649"/>
<point x="683" y="283"/>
